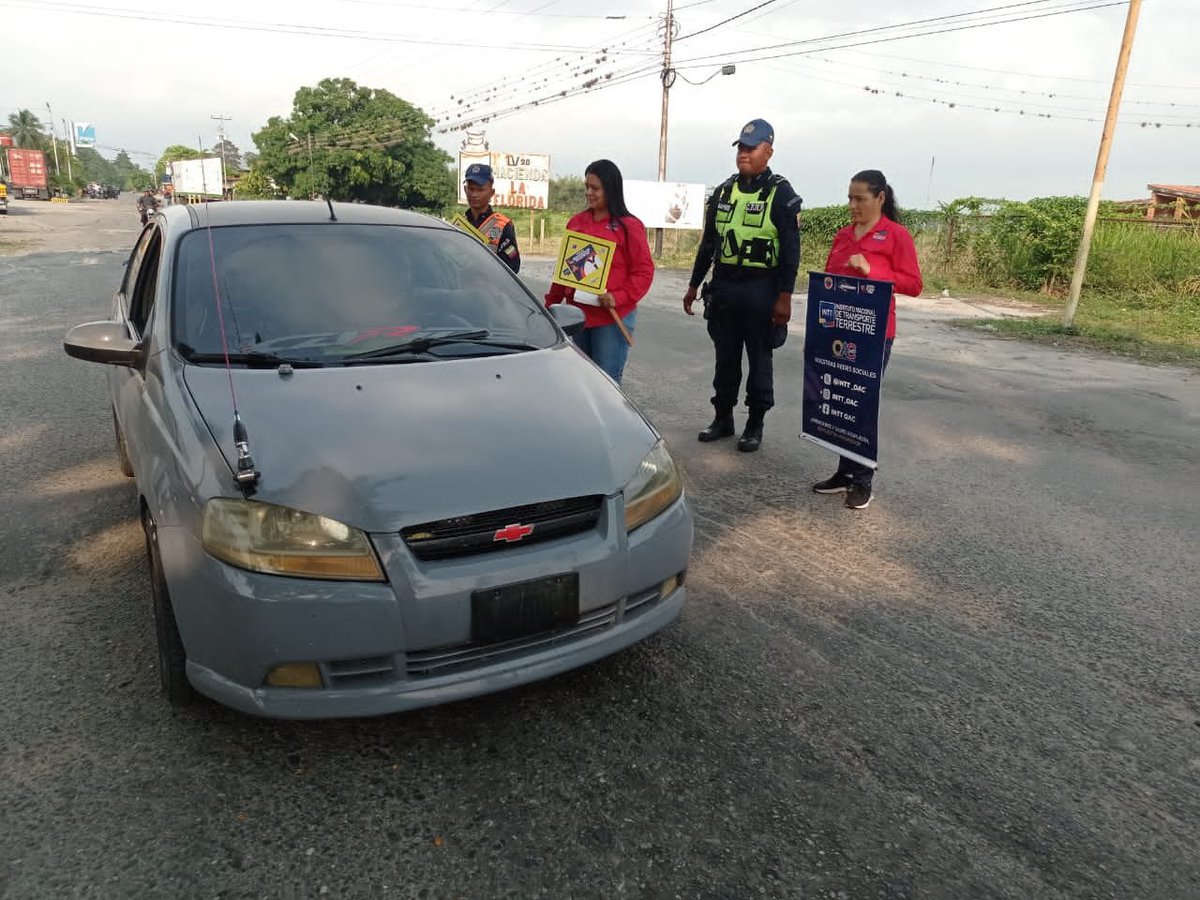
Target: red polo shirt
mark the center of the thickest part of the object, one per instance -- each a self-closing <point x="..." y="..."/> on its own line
<point x="891" y="254"/>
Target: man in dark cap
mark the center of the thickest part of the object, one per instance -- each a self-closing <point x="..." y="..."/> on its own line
<point x="496" y="227"/>
<point x="752" y="241"/>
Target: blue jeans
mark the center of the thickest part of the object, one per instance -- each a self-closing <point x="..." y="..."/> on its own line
<point x="606" y="346"/>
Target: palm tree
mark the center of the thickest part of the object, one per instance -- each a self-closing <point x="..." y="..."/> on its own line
<point x="26" y="129"/>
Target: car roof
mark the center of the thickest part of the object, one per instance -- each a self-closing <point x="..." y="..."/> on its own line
<point x="288" y="212"/>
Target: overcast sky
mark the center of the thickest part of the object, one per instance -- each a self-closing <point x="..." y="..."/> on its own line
<point x="148" y="82"/>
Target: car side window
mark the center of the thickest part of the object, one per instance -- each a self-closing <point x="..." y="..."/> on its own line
<point x="145" y="283"/>
<point x="134" y="265"/>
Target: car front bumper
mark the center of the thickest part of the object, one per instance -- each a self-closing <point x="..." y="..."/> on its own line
<point x="405" y="644"/>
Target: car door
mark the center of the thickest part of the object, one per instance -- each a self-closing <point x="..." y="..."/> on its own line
<point x="136" y="303"/>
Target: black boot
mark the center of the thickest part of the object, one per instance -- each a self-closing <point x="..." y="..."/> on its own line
<point x="751" y="438"/>
<point x="721" y="427"/>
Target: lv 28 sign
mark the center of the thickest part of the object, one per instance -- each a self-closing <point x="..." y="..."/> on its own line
<point x="843" y="363"/>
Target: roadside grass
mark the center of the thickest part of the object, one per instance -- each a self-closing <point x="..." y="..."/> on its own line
<point x="1160" y="327"/>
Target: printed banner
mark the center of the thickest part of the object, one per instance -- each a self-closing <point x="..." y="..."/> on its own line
<point x="666" y="204"/>
<point x="584" y="262"/>
<point x="846" y="327"/>
<point x="522" y="180"/>
<point x="460" y="222"/>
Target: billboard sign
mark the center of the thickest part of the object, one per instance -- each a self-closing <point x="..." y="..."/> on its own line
<point x="666" y="204"/>
<point x="197" y="177"/>
<point x="522" y="180"/>
<point x="84" y="134"/>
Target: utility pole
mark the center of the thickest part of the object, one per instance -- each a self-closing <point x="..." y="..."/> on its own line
<point x="221" y="120"/>
<point x="70" y="147"/>
<point x="1110" y="125"/>
<point x="53" y="137"/>
<point x="668" y="78"/>
<point x="312" y="178"/>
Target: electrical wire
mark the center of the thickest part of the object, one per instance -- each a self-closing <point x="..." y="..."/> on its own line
<point x="958" y="102"/>
<point x="729" y="56"/>
<point x="271" y="27"/>
<point x="724" y="21"/>
<point x="1052" y="95"/>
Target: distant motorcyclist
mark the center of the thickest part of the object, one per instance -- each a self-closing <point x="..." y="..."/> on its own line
<point x="147" y="204"/>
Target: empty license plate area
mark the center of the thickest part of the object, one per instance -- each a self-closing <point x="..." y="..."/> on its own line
<point x="528" y="607"/>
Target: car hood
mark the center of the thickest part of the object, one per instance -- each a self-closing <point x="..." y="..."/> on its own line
<point x="381" y="447"/>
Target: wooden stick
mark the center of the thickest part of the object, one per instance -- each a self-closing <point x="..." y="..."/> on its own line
<point x="624" y="331"/>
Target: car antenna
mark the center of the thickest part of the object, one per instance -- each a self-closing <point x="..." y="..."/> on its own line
<point x="246" y="475"/>
<point x="332" y="215"/>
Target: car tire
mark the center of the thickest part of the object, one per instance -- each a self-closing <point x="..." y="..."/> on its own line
<point x="172" y="659"/>
<point x="122" y="448"/>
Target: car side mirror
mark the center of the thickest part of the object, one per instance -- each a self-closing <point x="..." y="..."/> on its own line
<point x="569" y="318"/>
<point x="103" y="342"/>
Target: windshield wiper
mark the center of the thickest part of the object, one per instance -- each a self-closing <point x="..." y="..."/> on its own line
<point x="251" y="358"/>
<point x="425" y="344"/>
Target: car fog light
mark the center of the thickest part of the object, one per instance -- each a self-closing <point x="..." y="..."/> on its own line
<point x="300" y="675"/>
<point x="669" y="587"/>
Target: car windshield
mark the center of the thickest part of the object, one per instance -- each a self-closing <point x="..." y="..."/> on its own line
<point x="331" y="292"/>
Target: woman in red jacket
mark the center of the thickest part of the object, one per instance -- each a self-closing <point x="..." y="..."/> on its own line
<point x="874" y="245"/>
<point x="629" y="278"/>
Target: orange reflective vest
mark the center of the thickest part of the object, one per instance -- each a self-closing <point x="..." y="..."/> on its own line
<point x="493" y="227"/>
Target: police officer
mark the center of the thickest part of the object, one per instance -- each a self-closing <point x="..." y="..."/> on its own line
<point x="496" y="227"/>
<point x="752" y="240"/>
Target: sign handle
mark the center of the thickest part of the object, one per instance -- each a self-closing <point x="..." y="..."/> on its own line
<point x="624" y="331"/>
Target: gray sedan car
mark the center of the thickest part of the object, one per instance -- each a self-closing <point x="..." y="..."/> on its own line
<point x="374" y="473"/>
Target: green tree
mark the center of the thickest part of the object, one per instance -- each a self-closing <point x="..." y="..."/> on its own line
<point x="567" y="195"/>
<point x="255" y="185"/>
<point x="174" y="153"/>
<point x="355" y="143"/>
<point x="232" y="155"/>
<point x="26" y="130"/>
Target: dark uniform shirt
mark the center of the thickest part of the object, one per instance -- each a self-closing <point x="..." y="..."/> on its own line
<point x="506" y="248"/>
<point x="785" y="206"/>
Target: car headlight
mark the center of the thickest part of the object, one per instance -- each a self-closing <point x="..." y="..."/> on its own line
<point x="653" y="488"/>
<point x="277" y="540"/>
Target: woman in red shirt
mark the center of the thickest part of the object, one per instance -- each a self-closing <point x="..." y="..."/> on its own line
<point x="629" y="278"/>
<point x="874" y="245"/>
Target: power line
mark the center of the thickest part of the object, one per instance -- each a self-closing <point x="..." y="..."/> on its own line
<point x="725" y="21"/>
<point x="959" y="102"/>
<point x="272" y="27"/>
<point x="1052" y="95"/>
<point x="858" y="32"/>
<point x="701" y="60"/>
<point x="505" y="12"/>
<point x="929" y="62"/>
<point x="492" y="91"/>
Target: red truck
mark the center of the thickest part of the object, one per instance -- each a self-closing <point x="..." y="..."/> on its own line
<point x="26" y="174"/>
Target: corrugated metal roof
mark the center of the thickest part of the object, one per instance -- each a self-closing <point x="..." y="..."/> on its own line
<point x="1187" y="191"/>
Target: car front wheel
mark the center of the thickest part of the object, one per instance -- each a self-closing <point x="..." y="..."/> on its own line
<point x="172" y="660"/>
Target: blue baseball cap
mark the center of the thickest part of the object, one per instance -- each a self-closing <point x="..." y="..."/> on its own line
<point x="755" y="132"/>
<point x="479" y="173"/>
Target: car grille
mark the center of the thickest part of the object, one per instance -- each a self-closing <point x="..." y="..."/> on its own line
<point x="352" y="673"/>
<point x="489" y="531"/>
<point x="462" y="657"/>
<point x="446" y="660"/>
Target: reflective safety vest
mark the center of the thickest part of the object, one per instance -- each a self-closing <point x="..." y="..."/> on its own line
<point x="747" y="236"/>
<point x="493" y="227"/>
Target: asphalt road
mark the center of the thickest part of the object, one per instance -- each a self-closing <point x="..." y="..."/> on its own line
<point x="983" y="686"/>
